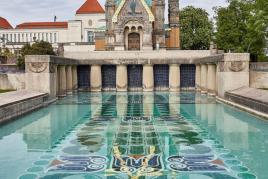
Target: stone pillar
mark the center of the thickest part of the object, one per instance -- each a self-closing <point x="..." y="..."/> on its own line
<point x="74" y="77"/>
<point x="69" y="79"/>
<point x="211" y="79"/>
<point x="58" y="81"/>
<point x="95" y="78"/>
<point x="174" y="77"/>
<point x="121" y="78"/>
<point x="62" y="90"/>
<point x="203" y="85"/>
<point x="148" y="77"/>
<point x="198" y="77"/>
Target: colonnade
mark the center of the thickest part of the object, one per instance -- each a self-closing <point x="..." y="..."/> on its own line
<point x="66" y="79"/>
<point x="206" y="78"/>
<point x="122" y="78"/>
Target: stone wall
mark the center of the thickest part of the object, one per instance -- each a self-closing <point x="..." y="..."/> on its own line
<point x="259" y="75"/>
<point x="12" y="81"/>
<point x="139" y="55"/>
<point x="232" y="72"/>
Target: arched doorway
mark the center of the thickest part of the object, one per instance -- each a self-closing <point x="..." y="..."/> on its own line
<point x="134" y="41"/>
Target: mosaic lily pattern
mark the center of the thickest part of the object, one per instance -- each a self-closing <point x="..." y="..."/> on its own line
<point x="139" y="135"/>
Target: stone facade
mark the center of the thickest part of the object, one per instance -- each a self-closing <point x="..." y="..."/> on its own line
<point x="137" y="25"/>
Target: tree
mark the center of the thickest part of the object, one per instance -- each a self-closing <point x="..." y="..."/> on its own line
<point x="196" y="28"/>
<point x="241" y="27"/>
<point x="6" y="52"/>
<point x="38" y="48"/>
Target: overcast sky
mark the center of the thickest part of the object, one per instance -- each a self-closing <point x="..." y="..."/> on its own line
<point x="18" y="11"/>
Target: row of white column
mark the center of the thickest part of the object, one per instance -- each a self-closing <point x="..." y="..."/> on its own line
<point x="122" y="79"/>
<point x="206" y="80"/>
<point x="66" y="80"/>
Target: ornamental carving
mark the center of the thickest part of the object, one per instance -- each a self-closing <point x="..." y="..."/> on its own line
<point x="237" y="66"/>
<point x="37" y="67"/>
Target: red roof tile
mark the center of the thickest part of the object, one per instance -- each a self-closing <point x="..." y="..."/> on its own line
<point x="90" y="7"/>
<point x="42" y="25"/>
<point x="4" y="24"/>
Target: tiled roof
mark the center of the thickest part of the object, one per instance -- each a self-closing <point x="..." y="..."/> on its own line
<point x="42" y="25"/>
<point x="90" y="7"/>
<point x="4" y="24"/>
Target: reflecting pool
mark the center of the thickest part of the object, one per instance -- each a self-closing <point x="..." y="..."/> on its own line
<point x="135" y="135"/>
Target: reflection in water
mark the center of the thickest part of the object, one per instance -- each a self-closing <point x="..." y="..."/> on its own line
<point x="138" y="135"/>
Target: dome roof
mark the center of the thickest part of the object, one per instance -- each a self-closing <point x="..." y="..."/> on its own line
<point x="90" y="7"/>
<point x="4" y="24"/>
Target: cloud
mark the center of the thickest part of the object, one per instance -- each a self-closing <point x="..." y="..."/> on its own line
<point x="18" y="11"/>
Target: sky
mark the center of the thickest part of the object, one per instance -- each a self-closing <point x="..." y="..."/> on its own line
<point x="19" y="11"/>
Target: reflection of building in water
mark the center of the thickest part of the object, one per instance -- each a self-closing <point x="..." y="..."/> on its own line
<point x="51" y="125"/>
<point x="234" y="131"/>
<point x="148" y="104"/>
<point x="121" y="103"/>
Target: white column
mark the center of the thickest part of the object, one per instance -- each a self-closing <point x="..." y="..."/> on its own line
<point x="62" y="91"/>
<point x="174" y="77"/>
<point x="95" y="78"/>
<point x="58" y="81"/>
<point x="74" y="78"/>
<point x="148" y="77"/>
<point x="198" y="77"/>
<point x="204" y="78"/>
<point x="69" y="79"/>
<point x="211" y="79"/>
<point x="121" y="78"/>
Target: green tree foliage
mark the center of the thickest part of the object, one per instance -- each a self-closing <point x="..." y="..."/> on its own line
<point x="38" y="48"/>
<point x="241" y="27"/>
<point x="196" y="28"/>
<point x="6" y="52"/>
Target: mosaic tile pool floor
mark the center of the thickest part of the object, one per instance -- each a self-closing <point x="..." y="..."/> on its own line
<point x="135" y="135"/>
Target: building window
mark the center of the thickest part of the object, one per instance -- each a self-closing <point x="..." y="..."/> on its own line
<point x="31" y="37"/>
<point x="26" y="37"/>
<point x="90" y="36"/>
<point x="18" y="37"/>
<point x="47" y="37"/>
<point x="15" y="38"/>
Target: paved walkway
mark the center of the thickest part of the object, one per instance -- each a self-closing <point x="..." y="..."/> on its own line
<point x="16" y="96"/>
<point x="252" y="93"/>
<point x="17" y="103"/>
<point x="255" y="99"/>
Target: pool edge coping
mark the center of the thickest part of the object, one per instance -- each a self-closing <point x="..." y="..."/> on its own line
<point x="261" y="115"/>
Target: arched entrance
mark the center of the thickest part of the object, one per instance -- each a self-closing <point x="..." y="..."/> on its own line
<point x="134" y="41"/>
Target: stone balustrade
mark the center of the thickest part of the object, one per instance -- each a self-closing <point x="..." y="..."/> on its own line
<point x="58" y="76"/>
